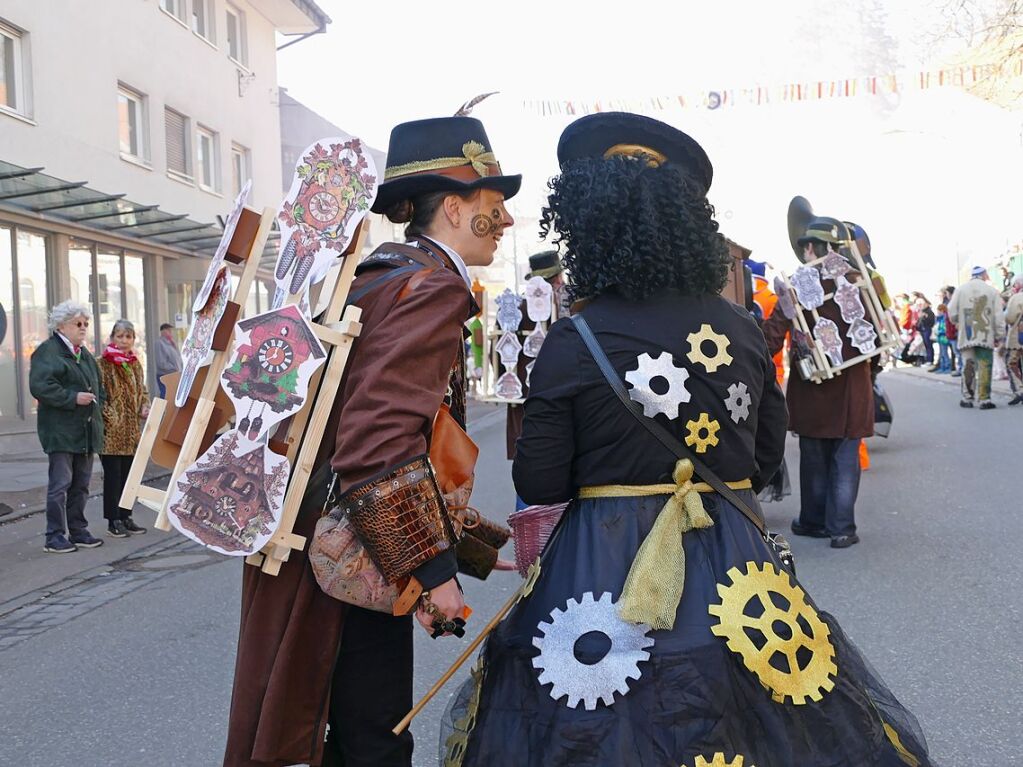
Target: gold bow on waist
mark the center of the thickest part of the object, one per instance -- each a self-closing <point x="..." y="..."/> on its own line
<point x="653" y="588"/>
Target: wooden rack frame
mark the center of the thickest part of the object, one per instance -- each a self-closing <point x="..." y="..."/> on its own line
<point x="338" y="328"/>
<point x="888" y="332"/>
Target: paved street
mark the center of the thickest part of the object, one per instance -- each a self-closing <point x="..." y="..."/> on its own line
<point x="131" y="663"/>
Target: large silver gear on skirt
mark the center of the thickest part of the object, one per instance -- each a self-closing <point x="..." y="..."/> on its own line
<point x="581" y="682"/>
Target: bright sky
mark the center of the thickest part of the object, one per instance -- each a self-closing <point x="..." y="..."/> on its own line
<point x="932" y="175"/>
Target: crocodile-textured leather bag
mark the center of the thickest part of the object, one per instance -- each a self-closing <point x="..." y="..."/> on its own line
<point x="355" y="554"/>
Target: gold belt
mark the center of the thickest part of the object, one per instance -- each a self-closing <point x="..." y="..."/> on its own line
<point x="653" y="587"/>
<point x="632" y="491"/>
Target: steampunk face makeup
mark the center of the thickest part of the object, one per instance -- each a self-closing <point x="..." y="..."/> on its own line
<point x="484" y="223"/>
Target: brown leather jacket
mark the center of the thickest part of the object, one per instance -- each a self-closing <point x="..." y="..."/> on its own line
<point x="395" y="380"/>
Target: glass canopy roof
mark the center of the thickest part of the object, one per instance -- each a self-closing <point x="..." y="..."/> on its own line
<point x="74" y="202"/>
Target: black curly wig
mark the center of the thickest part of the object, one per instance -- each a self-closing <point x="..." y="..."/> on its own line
<point x="627" y="226"/>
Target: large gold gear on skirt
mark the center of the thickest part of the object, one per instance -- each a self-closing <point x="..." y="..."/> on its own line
<point x="719" y="761"/>
<point x="805" y="680"/>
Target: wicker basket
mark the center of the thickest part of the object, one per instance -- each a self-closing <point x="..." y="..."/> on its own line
<point x="531" y="528"/>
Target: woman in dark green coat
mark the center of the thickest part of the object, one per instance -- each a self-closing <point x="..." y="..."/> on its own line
<point x="64" y="378"/>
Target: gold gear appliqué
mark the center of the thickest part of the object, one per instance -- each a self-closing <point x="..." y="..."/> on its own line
<point x="696" y="354"/>
<point x="703" y="425"/>
<point x="795" y="633"/>
<point x="719" y="760"/>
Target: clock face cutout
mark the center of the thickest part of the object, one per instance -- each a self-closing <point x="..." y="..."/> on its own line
<point x="275" y="355"/>
<point x="324" y="207"/>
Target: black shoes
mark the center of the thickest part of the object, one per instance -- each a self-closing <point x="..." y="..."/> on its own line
<point x="131" y="527"/>
<point x="116" y="529"/>
<point x="987" y="405"/>
<point x="965" y="403"/>
<point x="808" y="531"/>
<point x="1016" y="400"/>
<point x="844" y="541"/>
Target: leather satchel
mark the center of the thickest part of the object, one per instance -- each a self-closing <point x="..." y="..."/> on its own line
<point x="355" y="554"/>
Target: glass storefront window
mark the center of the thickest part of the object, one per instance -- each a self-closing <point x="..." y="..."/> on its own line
<point x="8" y="352"/>
<point x="80" y="262"/>
<point x="135" y="302"/>
<point x="32" y="301"/>
<point x="108" y="307"/>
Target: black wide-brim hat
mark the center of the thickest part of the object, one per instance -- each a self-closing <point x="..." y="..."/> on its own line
<point x="610" y="133"/>
<point x="441" y="154"/>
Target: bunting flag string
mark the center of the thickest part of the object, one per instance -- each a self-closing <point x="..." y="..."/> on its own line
<point x="762" y="95"/>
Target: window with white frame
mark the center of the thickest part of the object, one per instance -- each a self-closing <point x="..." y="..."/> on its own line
<point x="179" y="147"/>
<point x="241" y="170"/>
<point x="234" y="31"/>
<point x="132" y="123"/>
<point x="175" y="8"/>
<point x="202" y="19"/>
<point x="12" y="68"/>
<point x="207" y="161"/>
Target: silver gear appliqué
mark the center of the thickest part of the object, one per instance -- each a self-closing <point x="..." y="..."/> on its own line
<point x="661" y="366"/>
<point x="738" y="401"/>
<point x="584" y="683"/>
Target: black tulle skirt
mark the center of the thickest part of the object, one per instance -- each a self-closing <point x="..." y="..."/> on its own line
<point x="751" y="668"/>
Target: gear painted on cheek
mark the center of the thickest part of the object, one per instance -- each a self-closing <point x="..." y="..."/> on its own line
<point x="482" y="226"/>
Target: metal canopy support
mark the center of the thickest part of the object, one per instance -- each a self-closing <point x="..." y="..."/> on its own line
<point x="79" y="203"/>
<point x="34" y="192"/>
<point x="140" y="209"/>
<point x="20" y="173"/>
<point x="196" y="239"/>
<point x="180" y="230"/>
<point x="145" y="223"/>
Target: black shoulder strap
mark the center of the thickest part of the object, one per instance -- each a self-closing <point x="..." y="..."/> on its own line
<point x="663" y="436"/>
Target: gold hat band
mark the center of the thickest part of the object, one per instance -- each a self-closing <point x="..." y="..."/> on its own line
<point x="652" y="156"/>
<point x="473" y="153"/>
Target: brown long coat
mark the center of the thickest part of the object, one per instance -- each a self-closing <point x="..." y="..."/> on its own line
<point x="290" y="630"/>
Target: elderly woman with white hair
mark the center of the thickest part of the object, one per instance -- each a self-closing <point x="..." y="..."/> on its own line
<point x="64" y="378"/>
<point x="1014" y="338"/>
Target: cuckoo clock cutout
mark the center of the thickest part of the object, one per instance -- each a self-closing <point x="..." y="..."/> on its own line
<point x="334" y="186"/>
<point x="274" y="356"/>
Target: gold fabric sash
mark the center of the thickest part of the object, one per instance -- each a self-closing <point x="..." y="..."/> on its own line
<point x="653" y="588"/>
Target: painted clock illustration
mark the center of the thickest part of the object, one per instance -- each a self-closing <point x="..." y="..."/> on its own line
<point x="275" y="355"/>
<point x="324" y="208"/>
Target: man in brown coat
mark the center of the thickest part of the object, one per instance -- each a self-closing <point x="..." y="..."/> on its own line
<point x="831" y="418"/>
<point x="305" y="659"/>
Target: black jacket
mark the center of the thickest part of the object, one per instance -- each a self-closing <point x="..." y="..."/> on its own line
<point x="577" y="433"/>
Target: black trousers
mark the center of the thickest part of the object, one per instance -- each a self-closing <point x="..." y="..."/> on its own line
<point x="370" y="693"/>
<point x="115" y="475"/>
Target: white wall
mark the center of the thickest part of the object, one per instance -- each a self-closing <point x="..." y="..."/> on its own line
<point x="80" y="50"/>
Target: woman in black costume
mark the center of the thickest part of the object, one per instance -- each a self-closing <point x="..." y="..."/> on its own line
<point x="663" y="628"/>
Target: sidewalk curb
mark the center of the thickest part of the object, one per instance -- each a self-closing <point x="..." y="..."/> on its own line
<point x="8" y="607"/>
<point x="18" y="515"/>
<point x="997" y="387"/>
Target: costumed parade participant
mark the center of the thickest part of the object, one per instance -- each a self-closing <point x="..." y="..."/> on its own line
<point x="304" y="658"/>
<point x="655" y="410"/>
<point x="548" y="266"/>
<point x="976" y="309"/>
<point x="767" y="300"/>
<point x="831" y="417"/>
<point x="1014" y="337"/>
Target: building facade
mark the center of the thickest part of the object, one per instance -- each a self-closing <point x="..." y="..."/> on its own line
<point x="124" y="135"/>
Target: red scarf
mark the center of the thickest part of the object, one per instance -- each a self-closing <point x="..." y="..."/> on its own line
<point x="115" y="356"/>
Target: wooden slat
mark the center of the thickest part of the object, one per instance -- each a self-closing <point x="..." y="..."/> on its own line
<point x="133" y="484"/>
